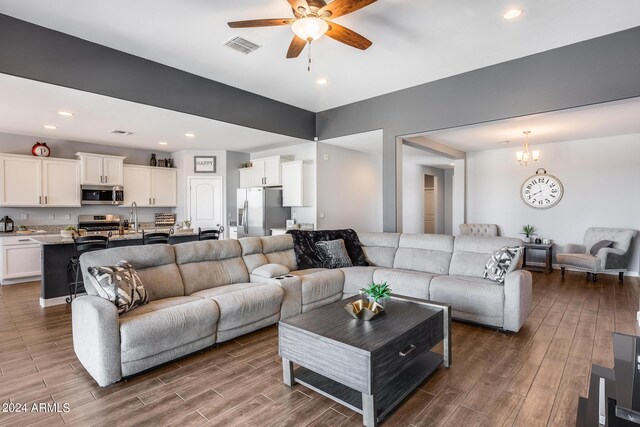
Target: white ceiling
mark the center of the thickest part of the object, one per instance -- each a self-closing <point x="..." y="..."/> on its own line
<point x="26" y="106"/>
<point x="614" y="118"/>
<point x="366" y="142"/>
<point x="423" y="157"/>
<point x="413" y="41"/>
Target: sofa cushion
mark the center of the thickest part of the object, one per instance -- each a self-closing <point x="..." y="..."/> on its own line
<point x="334" y="254"/>
<point x="120" y="285"/>
<point x="471" y="253"/>
<point x="502" y="262"/>
<point x="252" y="252"/>
<point x="306" y="272"/>
<point x="356" y="278"/>
<point x="155" y="265"/>
<point x="278" y="250"/>
<point x="159" y="305"/>
<point x="380" y="248"/>
<point x="429" y="253"/>
<point x="269" y="271"/>
<point x="405" y="282"/>
<point x="320" y="285"/>
<point x="307" y="255"/>
<point x="210" y="263"/>
<point x="586" y="261"/>
<point x="469" y="294"/>
<point x="144" y="334"/>
<point x="241" y="304"/>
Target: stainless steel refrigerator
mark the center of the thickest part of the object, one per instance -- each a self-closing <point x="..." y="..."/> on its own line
<point x="260" y="210"/>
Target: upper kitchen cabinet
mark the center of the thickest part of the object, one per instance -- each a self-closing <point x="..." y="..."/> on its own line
<point x="31" y="181"/>
<point x="266" y="172"/>
<point x="150" y="186"/>
<point x="297" y="184"/>
<point x="246" y="175"/>
<point x="101" y="169"/>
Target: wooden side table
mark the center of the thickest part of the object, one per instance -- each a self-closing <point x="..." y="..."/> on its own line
<point x="548" y="249"/>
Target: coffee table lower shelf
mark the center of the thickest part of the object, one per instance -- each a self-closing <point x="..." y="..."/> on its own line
<point x="390" y="395"/>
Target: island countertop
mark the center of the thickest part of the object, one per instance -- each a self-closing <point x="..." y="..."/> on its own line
<point x="57" y="239"/>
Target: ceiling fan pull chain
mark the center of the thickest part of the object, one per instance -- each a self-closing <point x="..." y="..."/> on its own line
<point x="309" y="64"/>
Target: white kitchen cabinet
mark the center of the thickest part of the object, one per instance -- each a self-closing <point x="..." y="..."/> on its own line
<point x="27" y="181"/>
<point x="164" y="187"/>
<point x="150" y="186"/>
<point x="245" y="177"/>
<point x="297" y="184"/>
<point x="61" y="183"/>
<point x="21" y="178"/>
<point x="19" y="259"/>
<point x="266" y="172"/>
<point x="101" y="169"/>
<point x="137" y="185"/>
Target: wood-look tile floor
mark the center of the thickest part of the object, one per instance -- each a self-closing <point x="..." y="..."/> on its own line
<point x="532" y="378"/>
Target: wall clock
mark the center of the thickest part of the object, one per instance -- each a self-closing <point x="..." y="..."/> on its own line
<point x="541" y="191"/>
<point x="40" y="149"/>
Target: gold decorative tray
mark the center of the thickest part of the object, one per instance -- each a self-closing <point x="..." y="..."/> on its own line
<point x="364" y="309"/>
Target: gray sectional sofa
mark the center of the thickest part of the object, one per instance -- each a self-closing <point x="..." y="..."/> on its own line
<point x="202" y="293"/>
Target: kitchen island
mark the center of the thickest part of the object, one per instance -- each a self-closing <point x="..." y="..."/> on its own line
<point x="57" y="251"/>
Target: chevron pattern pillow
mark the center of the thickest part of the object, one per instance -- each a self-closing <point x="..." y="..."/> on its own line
<point x="119" y="284"/>
<point x="502" y="262"/>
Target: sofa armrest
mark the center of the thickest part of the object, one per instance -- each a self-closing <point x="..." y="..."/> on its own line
<point x="573" y="248"/>
<point x="292" y="287"/>
<point x="613" y="259"/>
<point x="96" y="338"/>
<point x="517" y="299"/>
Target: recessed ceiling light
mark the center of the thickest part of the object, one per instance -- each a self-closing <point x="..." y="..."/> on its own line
<point x="189" y="135"/>
<point x="162" y="143"/>
<point x="322" y="81"/>
<point x="50" y="127"/>
<point x="513" y="13"/>
<point x="451" y="164"/>
<point x="66" y="113"/>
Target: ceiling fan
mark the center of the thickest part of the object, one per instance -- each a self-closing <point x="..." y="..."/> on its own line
<point x="311" y="21"/>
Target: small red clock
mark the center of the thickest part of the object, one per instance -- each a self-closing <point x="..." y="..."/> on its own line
<point x="40" y="149"/>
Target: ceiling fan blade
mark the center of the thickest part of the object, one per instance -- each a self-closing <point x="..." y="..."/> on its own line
<point x="347" y="36"/>
<point x="295" y="4"/>
<point x="296" y="47"/>
<point x="342" y="7"/>
<point x="261" y="23"/>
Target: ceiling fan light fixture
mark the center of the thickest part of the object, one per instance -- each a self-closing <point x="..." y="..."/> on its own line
<point x="513" y="13"/>
<point x="310" y="28"/>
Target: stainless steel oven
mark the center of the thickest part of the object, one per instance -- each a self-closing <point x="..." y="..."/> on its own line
<point x="102" y="195"/>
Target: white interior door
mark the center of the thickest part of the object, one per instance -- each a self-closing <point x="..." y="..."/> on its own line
<point x="205" y="202"/>
<point x="429" y="211"/>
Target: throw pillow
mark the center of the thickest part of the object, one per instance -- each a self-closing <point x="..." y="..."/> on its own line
<point x="502" y="262"/>
<point x="601" y="244"/>
<point x="270" y="271"/>
<point x="334" y="254"/>
<point x="119" y="284"/>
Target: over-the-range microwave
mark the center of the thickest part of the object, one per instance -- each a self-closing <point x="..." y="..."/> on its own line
<point x="102" y="195"/>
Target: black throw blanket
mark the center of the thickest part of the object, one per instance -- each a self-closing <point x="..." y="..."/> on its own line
<point x="307" y="255"/>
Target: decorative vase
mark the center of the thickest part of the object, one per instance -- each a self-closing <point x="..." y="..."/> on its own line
<point x="153" y="161"/>
<point x="527" y="239"/>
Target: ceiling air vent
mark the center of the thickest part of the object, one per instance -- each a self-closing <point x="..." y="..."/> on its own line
<point x="121" y="132"/>
<point x="242" y="45"/>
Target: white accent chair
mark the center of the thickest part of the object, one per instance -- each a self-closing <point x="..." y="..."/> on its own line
<point x="481" y="230"/>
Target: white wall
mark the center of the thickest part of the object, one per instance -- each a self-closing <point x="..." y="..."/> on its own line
<point x="413" y="196"/>
<point x="601" y="179"/>
<point x="349" y="189"/>
<point x="448" y="201"/>
<point x="307" y="152"/>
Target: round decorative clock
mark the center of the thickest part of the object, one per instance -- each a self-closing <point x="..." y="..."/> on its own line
<point x="541" y="190"/>
<point x="40" y="149"/>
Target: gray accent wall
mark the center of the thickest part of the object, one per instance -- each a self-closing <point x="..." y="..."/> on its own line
<point x="38" y="53"/>
<point x="594" y="71"/>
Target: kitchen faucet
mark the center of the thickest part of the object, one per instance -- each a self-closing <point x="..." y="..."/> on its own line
<point x="133" y="216"/>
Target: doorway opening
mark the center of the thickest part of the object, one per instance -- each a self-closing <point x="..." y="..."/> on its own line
<point x="430" y="204"/>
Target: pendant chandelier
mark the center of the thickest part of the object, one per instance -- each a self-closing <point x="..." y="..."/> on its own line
<point x="525" y="155"/>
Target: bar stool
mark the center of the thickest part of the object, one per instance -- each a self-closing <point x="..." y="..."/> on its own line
<point x="155" y="238"/>
<point x="82" y="245"/>
<point x="210" y="234"/>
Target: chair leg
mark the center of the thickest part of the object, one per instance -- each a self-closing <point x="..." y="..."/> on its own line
<point x="594" y="277"/>
<point x="621" y="277"/>
<point x="562" y="270"/>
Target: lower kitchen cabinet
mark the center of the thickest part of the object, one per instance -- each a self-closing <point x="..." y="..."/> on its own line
<point x="19" y="259"/>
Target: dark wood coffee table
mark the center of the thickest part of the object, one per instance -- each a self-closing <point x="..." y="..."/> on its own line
<point x="371" y="366"/>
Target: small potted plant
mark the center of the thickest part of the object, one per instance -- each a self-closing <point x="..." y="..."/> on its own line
<point x="377" y="292"/>
<point x="528" y="231"/>
<point x="68" y="232"/>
